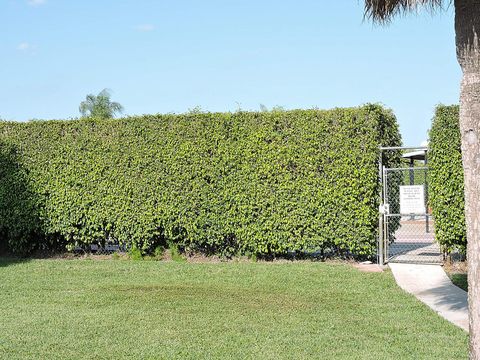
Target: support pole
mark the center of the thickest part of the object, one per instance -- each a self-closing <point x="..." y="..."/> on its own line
<point x="381" y="256"/>
<point x="427" y="227"/>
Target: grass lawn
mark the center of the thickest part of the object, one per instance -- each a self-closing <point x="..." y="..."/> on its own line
<point x="457" y="271"/>
<point x="460" y="279"/>
<point x="114" y="309"/>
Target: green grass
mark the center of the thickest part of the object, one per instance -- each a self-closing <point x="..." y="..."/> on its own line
<point x="87" y="309"/>
<point x="460" y="280"/>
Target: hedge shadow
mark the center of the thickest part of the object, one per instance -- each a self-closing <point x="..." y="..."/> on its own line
<point x="20" y="226"/>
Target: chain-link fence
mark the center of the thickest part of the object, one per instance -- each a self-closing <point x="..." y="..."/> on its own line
<point x="99" y="249"/>
<point x="409" y="227"/>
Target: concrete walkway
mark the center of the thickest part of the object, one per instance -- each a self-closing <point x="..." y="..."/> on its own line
<point x="431" y="285"/>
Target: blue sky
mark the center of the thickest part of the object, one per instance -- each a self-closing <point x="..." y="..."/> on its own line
<point x="170" y="56"/>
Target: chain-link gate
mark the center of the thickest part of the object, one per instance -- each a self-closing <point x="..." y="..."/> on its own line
<point x="406" y="223"/>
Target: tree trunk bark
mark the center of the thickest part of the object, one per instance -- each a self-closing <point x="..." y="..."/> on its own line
<point x="467" y="29"/>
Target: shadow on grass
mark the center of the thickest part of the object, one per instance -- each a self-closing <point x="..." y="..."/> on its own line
<point x="8" y="261"/>
<point x="460" y="280"/>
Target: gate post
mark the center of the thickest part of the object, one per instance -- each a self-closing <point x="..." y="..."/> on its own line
<point x="380" y="254"/>
<point x="427" y="229"/>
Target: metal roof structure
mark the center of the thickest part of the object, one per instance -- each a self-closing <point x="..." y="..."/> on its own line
<point x="416" y="155"/>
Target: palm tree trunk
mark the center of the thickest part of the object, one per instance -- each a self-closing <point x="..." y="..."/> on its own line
<point x="467" y="28"/>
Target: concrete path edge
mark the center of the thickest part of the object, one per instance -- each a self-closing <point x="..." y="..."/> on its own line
<point x="431" y="285"/>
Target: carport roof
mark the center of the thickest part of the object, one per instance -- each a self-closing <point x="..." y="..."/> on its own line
<point x="415" y="155"/>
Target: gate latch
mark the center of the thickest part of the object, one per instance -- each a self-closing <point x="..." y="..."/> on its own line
<point x="384" y="209"/>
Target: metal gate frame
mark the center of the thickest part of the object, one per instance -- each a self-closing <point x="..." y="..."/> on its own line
<point x="384" y="210"/>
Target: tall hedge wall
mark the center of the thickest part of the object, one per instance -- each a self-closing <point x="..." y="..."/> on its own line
<point x="218" y="183"/>
<point x="446" y="179"/>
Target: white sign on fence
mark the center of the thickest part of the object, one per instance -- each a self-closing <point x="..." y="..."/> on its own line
<point x="412" y="199"/>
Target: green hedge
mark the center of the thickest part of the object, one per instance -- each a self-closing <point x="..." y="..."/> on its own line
<point x="446" y="179"/>
<point x="217" y="183"/>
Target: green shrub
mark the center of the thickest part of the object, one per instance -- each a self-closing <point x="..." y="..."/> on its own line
<point x="135" y="254"/>
<point x="446" y="179"/>
<point x="218" y="183"/>
<point x="176" y="255"/>
<point x="158" y="252"/>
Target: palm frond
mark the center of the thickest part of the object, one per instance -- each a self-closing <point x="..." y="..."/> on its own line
<point x="100" y="106"/>
<point x="105" y="93"/>
<point x="381" y="11"/>
<point x="84" y="107"/>
<point x="116" y="107"/>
